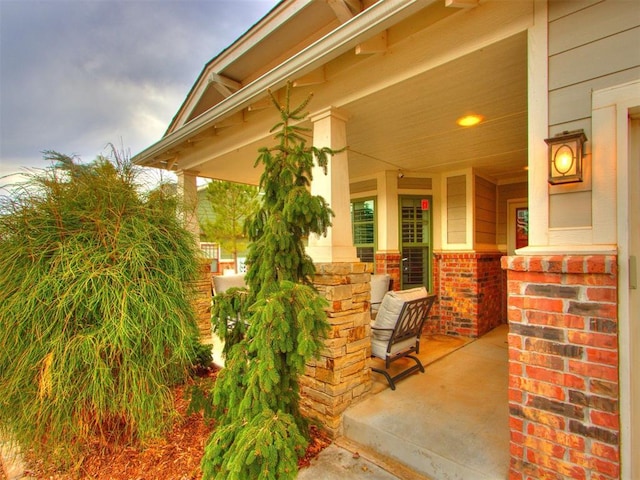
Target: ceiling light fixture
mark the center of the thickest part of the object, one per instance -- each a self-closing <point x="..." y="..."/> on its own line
<point x="470" y="120"/>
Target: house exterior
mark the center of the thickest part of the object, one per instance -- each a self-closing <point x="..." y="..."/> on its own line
<point x="470" y="212"/>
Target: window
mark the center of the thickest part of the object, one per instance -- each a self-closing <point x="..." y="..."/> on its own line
<point x="363" y="219"/>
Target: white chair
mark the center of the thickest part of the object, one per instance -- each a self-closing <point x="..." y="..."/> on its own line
<point x="222" y="283"/>
<point x="396" y="331"/>
<point x="380" y="285"/>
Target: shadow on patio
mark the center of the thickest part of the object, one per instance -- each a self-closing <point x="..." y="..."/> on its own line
<point x="450" y="422"/>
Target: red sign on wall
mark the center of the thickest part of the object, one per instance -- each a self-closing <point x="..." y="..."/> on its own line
<point x="425" y="204"/>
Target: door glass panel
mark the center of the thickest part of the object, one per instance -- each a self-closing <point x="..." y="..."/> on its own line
<point x="415" y="234"/>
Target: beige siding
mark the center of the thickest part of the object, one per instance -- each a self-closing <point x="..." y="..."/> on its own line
<point x="364" y="186"/>
<point x="506" y="193"/>
<point x="456" y="209"/>
<point x="568" y="103"/>
<point x="594" y="60"/>
<point x="571" y="210"/>
<point x="485" y="211"/>
<point x="583" y="59"/>
<point x="415" y="183"/>
<point x="566" y="27"/>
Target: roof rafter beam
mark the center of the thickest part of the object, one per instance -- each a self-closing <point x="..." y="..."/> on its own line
<point x="345" y="10"/>
<point x="461" y="3"/>
<point x="224" y="85"/>
<point x="376" y="44"/>
<point x="230" y="121"/>
<point x="260" y="104"/>
<point x="314" y="77"/>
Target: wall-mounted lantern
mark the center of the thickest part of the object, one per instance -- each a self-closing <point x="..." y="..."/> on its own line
<point x="565" y="157"/>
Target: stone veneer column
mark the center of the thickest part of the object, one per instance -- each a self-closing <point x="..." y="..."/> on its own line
<point x="341" y="375"/>
<point x="202" y="302"/>
<point x="470" y="291"/>
<point x="563" y="367"/>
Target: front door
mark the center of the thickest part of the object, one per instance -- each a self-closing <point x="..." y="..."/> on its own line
<point x="415" y="241"/>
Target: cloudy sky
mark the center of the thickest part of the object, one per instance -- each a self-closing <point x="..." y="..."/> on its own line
<point x="78" y="74"/>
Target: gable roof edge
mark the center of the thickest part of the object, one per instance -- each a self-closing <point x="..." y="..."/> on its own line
<point x="378" y="17"/>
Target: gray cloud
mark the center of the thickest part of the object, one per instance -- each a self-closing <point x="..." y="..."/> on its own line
<point x="77" y="74"/>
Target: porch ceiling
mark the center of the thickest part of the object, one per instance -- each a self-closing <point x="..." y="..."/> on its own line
<point x="412" y="125"/>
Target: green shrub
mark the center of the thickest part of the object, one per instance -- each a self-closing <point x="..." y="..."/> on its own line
<point x="95" y="307"/>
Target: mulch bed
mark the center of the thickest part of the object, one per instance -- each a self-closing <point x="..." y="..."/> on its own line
<point x="174" y="457"/>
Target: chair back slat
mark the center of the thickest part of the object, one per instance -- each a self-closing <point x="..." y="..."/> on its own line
<point x="411" y="319"/>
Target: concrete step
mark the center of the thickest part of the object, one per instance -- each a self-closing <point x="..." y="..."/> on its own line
<point x="449" y="423"/>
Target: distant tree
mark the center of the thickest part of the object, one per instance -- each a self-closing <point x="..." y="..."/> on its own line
<point x="261" y="434"/>
<point x="231" y="203"/>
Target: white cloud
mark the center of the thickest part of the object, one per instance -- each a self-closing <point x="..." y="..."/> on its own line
<point x="77" y="74"/>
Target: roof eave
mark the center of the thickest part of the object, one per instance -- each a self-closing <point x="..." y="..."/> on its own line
<point x="377" y="18"/>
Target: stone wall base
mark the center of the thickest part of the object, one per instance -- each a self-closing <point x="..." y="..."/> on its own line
<point x="202" y="302"/>
<point x="341" y="376"/>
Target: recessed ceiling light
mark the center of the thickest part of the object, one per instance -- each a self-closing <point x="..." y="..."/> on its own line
<point x="469" y="120"/>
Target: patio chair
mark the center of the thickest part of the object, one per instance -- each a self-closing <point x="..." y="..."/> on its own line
<point x="396" y="331"/>
<point x="222" y="283"/>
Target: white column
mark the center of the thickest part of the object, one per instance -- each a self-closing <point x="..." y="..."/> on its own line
<point x="188" y="191"/>
<point x="387" y="206"/>
<point x="329" y="130"/>
<point x="538" y="93"/>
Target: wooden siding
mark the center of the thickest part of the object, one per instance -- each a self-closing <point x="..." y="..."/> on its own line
<point x="485" y="211"/>
<point x="583" y="59"/>
<point x="415" y="183"/>
<point x="457" y="209"/>
<point x="363" y="186"/>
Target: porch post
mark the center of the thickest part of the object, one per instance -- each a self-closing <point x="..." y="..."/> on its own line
<point x="388" y="254"/>
<point x="188" y="191"/>
<point x="329" y="130"/>
<point x="340" y="376"/>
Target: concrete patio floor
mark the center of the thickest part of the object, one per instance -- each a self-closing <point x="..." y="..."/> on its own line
<point x="449" y="423"/>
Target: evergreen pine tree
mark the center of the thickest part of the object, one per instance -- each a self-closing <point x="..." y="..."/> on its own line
<point x="261" y="433"/>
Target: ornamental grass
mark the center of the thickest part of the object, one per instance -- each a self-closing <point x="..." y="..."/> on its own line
<point x="96" y="318"/>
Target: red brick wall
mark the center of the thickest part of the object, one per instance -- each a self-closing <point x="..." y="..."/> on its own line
<point x="563" y="367"/>
<point x="387" y="262"/>
<point x="470" y="291"/>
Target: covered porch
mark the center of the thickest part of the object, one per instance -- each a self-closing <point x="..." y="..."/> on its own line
<point x="431" y="202"/>
<point x="450" y="422"/>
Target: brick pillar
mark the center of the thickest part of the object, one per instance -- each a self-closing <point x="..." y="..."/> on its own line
<point x="563" y="367"/>
<point x="341" y="375"/>
<point x="389" y="262"/>
<point x="470" y="291"/>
